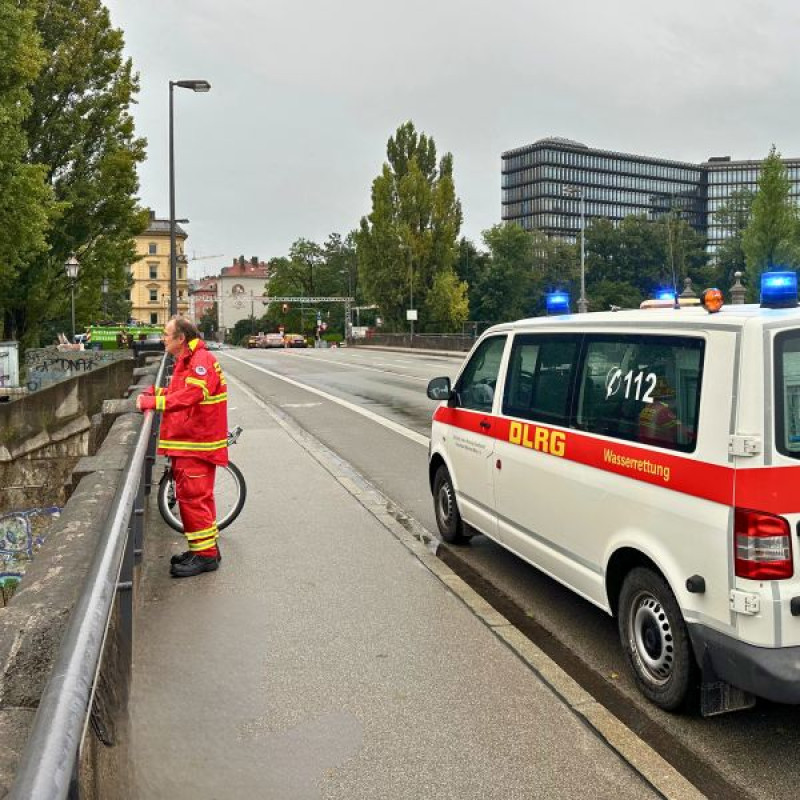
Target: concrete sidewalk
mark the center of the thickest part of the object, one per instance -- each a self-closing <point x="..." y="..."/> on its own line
<point x="325" y="659"/>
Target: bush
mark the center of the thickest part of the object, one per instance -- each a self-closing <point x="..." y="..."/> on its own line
<point x="332" y="337"/>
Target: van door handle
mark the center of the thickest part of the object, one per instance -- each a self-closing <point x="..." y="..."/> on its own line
<point x="485" y="425"/>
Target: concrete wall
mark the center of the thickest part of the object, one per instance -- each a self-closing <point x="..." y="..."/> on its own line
<point x="43" y="434"/>
<point x="32" y="625"/>
<point x="47" y="365"/>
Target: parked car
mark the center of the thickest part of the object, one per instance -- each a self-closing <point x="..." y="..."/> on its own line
<point x="148" y="343"/>
<point x="253" y="341"/>
<point x="272" y="340"/>
<point x="295" y="340"/>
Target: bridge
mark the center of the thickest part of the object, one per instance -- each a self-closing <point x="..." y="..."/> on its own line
<point x="331" y="655"/>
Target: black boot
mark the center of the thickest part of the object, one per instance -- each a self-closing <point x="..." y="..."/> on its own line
<point x="179" y="558"/>
<point x="194" y="565"/>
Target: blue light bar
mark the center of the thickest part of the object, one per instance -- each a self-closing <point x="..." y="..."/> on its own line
<point x="778" y="289"/>
<point x="557" y="302"/>
<point x="665" y="294"/>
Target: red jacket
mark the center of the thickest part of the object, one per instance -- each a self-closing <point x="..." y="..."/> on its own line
<point x="195" y="407"/>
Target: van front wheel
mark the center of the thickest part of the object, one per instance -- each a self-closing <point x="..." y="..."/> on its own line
<point x="655" y="639"/>
<point x="448" y="518"/>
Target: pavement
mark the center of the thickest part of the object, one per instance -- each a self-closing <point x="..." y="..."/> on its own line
<point x="333" y="655"/>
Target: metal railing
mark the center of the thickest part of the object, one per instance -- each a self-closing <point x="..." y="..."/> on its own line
<point x="48" y="767"/>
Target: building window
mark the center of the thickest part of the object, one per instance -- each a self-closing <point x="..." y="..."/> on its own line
<point x="153" y="295"/>
<point x="153" y="318"/>
<point x="153" y="271"/>
<point x="127" y="294"/>
<point x="152" y="248"/>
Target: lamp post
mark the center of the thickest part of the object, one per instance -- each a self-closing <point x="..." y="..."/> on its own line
<point x="72" y="266"/>
<point x="576" y="191"/>
<point x="195" y="86"/>
<point x="104" y="290"/>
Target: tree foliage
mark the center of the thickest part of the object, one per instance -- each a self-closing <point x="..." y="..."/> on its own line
<point x="80" y="128"/>
<point x="26" y="206"/>
<point x="409" y="238"/>
<point x="627" y="263"/>
<point x="771" y="238"/>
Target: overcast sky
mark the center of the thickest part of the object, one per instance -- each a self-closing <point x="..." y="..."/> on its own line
<point x="305" y="94"/>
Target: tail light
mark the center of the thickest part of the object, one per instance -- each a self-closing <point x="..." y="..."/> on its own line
<point x="763" y="546"/>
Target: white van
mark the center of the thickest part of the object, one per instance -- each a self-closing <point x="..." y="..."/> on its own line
<point x="650" y="461"/>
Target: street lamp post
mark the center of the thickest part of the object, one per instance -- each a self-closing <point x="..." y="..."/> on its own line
<point x="576" y="191"/>
<point x="72" y="266"/>
<point x="195" y="86"/>
<point x="104" y="290"/>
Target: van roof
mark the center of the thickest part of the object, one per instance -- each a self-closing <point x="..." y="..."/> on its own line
<point x="688" y="316"/>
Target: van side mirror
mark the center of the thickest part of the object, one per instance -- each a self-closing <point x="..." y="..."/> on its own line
<point x="439" y="389"/>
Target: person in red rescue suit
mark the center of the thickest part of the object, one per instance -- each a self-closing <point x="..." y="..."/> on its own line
<point x="658" y="423"/>
<point x="194" y="434"/>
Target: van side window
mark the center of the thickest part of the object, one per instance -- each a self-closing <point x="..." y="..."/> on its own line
<point x="475" y="387"/>
<point x="644" y="389"/>
<point x="787" y="393"/>
<point x="540" y="376"/>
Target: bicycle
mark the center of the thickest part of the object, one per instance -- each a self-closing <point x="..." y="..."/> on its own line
<point x="230" y="491"/>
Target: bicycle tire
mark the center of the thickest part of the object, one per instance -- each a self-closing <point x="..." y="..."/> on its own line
<point x="169" y="511"/>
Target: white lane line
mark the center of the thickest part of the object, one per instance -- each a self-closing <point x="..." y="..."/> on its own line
<point x="387" y="423"/>
<point x="361" y="366"/>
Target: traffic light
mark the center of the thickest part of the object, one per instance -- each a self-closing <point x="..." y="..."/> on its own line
<point x="285" y="307"/>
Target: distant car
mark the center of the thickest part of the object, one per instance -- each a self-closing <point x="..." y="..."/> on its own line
<point x="253" y="341"/>
<point x="212" y="345"/>
<point x="272" y="340"/>
<point x="295" y="340"/>
<point x="148" y="343"/>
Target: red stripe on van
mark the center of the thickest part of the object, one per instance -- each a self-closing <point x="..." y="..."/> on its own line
<point x="773" y="489"/>
<point x="667" y="470"/>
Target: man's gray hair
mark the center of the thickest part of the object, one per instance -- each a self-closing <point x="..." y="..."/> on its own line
<point x="186" y="327"/>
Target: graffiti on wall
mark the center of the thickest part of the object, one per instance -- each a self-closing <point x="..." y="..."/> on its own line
<point x="22" y="533"/>
<point x="48" y="365"/>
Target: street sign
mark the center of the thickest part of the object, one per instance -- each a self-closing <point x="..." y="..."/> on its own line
<point x="411" y="314"/>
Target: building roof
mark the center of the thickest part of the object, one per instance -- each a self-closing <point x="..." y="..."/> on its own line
<point x="160" y="227"/>
<point x="246" y="269"/>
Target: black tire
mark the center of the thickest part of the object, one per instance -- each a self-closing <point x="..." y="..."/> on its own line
<point x="169" y="508"/>
<point x="448" y="518"/>
<point x="655" y="639"/>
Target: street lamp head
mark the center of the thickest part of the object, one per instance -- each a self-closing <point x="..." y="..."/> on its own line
<point x="195" y="86"/>
<point x="72" y="266"/>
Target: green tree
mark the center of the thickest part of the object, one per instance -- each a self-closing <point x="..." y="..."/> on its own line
<point x="81" y="128"/>
<point x="505" y="288"/>
<point x="627" y="263"/>
<point x="25" y="198"/>
<point x="446" y="306"/>
<point x="730" y="257"/>
<point x="410" y="236"/>
<point x="771" y="237"/>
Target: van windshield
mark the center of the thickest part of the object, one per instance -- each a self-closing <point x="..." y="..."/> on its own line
<point x="787" y="393"/>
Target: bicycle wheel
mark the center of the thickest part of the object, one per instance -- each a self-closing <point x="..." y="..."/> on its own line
<point x="230" y="491"/>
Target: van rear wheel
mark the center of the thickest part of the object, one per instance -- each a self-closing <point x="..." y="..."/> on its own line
<point x="655" y="639"/>
<point x="448" y="518"/>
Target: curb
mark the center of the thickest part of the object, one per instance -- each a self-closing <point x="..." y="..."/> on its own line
<point x="654" y="769"/>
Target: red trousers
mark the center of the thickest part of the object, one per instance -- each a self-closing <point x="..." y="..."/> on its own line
<point x="194" y="488"/>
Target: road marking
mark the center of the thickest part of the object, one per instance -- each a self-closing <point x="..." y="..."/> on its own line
<point x="300" y="405"/>
<point x="387" y="423"/>
<point x="360" y="366"/>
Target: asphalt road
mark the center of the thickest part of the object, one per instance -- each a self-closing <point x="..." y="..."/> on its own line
<point x="749" y="753"/>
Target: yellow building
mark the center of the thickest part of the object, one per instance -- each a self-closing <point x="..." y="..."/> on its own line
<point x="149" y="294"/>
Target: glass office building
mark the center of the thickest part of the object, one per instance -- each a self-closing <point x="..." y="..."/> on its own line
<point x="543" y="184"/>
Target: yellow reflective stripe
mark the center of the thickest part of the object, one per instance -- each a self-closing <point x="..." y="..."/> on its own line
<point x="204" y="545"/>
<point x="169" y="444"/>
<point x="201" y="384"/>
<point x="203" y="534"/>
<point x="161" y="403"/>
<point x="193" y="344"/>
<point x="160" y="390"/>
<point x="214" y="398"/>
